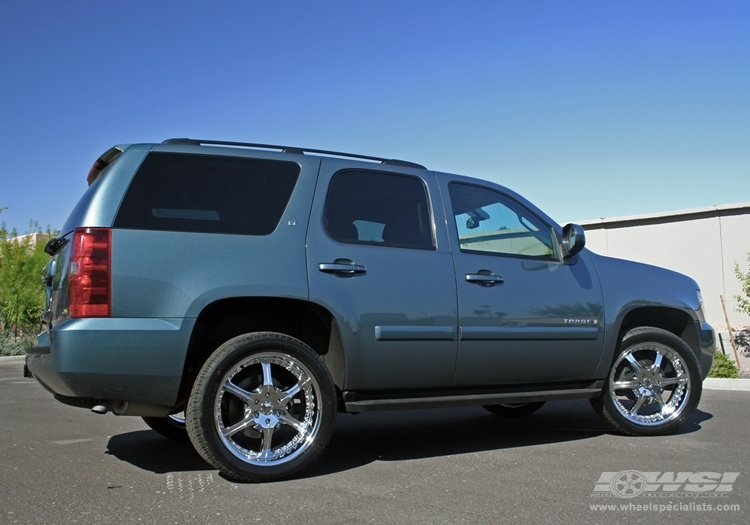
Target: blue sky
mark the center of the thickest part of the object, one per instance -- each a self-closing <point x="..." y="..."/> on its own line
<point x="589" y="109"/>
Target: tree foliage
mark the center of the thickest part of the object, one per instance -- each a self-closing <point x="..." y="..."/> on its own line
<point x="743" y="301"/>
<point x="21" y="291"/>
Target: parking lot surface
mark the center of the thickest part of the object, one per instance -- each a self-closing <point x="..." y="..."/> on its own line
<point x="63" y="465"/>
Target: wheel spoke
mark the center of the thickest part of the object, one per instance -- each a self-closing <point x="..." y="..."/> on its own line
<point x="287" y="419"/>
<point x="265" y="448"/>
<point x="267" y="376"/>
<point x="658" y="359"/>
<point x="233" y="389"/>
<point x="681" y="379"/>
<point x="634" y="364"/>
<point x="237" y="427"/>
<point x="625" y="385"/>
<point x="293" y="391"/>
<point x="640" y="400"/>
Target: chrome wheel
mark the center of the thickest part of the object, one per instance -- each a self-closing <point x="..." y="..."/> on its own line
<point x="649" y="384"/>
<point x="266" y="411"/>
<point x="654" y="384"/>
<point x="262" y="407"/>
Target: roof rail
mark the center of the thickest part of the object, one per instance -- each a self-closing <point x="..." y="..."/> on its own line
<point x="290" y="149"/>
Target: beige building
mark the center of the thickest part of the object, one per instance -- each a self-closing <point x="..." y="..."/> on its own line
<point x="703" y="243"/>
<point x="32" y="238"/>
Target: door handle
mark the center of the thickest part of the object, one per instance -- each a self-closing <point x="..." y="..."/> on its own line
<point x="484" y="278"/>
<point x="342" y="267"/>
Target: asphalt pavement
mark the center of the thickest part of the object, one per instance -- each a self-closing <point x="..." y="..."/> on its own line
<point x="63" y="465"/>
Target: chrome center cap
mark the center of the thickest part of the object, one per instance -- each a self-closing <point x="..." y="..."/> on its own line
<point x="646" y="392"/>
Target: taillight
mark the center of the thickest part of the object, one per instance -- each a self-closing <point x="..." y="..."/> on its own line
<point x="89" y="275"/>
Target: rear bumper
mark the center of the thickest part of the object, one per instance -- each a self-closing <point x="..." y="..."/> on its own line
<point x="133" y="360"/>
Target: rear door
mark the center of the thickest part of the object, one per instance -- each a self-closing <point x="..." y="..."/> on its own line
<point x="380" y="262"/>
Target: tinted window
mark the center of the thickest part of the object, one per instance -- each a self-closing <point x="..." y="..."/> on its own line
<point x="488" y="221"/>
<point x="367" y="207"/>
<point x="208" y="193"/>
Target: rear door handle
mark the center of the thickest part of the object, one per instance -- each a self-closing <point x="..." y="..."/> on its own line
<point x="342" y="267"/>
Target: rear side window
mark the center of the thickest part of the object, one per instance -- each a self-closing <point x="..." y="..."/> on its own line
<point x="382" y="209"/>
<point x="208" y="194"/>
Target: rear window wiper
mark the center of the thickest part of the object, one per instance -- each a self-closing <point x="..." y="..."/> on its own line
<point x="55" y="245"/>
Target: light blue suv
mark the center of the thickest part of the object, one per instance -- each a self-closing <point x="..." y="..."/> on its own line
<point x="240" y="295"/>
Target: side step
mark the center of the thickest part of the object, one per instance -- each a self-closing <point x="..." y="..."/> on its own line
<point x="369" y="402"/>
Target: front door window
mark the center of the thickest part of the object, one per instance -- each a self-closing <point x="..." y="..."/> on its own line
<point x="489" y="222"/>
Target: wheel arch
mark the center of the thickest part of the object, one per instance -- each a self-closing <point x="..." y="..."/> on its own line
<point x="225" y="319"/>
<point x="673" y="320"/>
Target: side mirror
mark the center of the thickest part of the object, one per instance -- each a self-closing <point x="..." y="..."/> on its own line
<point x="573" y="240"/>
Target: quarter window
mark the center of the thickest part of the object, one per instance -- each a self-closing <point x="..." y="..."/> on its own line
<point x="377" y="208"/>
<point x="208" y="194"/>
<point x="490" y="222"/>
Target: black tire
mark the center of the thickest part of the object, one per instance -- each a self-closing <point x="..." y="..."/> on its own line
<point x="653" y="386"/>
<point x="172" y="427"/>
<point x="262" y="407"/>
<point x="514" y="409"/>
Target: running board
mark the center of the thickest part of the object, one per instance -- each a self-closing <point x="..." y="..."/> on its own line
<point x="370" y="402"/>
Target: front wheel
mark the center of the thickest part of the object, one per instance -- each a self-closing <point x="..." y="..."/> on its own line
<point x="654" y="384"/>
<point x="262" y="407"/>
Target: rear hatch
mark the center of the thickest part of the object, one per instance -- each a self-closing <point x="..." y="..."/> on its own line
<point x="78" y="278"/>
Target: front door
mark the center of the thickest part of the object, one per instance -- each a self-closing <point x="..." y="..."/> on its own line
<point x="525" y="314"/>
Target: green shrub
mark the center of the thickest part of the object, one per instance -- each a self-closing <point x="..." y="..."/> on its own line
<point x="723" y="367"/>
<point x="10" y="345"/>
<point x="22" y="294"/>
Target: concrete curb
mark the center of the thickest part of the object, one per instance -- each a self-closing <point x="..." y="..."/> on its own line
<point x="715" y="383"/>
<point x="12" y="357"/>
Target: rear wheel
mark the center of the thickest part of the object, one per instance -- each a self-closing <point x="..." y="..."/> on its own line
<point x="172" y="426"/>
<point x="262" y="407"/>
<point x="514" y="409"/>
<point x="654" y="384"/>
